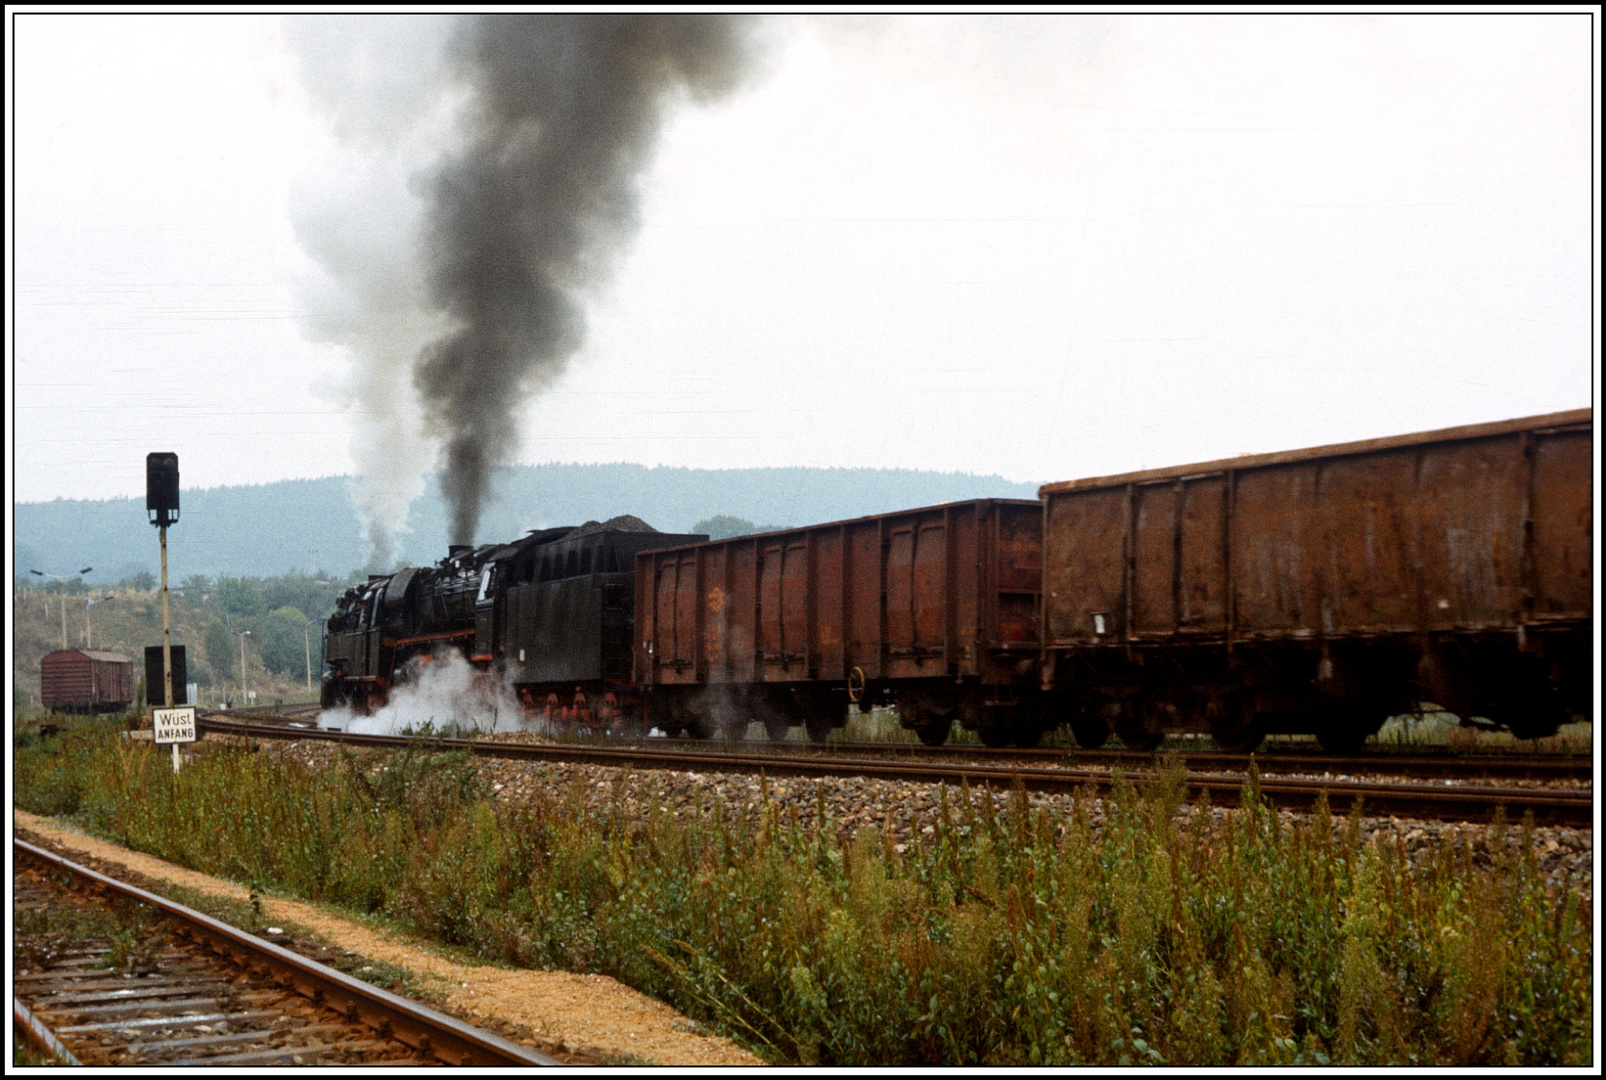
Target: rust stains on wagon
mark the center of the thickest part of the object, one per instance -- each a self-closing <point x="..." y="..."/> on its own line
<point x="1321" y="589"/>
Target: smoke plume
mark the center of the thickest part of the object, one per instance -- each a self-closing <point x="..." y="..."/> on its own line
<point x="554" y="119"/>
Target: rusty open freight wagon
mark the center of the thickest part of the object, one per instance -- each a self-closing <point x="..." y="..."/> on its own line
<point x="1323" y="590"/>
<point x="934" y="610"/>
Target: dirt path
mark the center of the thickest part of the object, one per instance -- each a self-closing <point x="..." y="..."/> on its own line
<point x="593" y="1014"/>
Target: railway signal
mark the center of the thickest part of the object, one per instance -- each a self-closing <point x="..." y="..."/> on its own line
<point x="161" y="506"/>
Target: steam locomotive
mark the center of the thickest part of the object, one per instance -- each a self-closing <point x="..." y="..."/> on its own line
<point x="1314" y="591"/>
<point x="549" y="615"/>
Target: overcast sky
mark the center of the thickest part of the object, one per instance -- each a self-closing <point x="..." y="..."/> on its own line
<point x="1043" y="247"/>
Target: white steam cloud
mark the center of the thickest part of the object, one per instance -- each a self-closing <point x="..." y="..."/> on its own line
<point x="445" y="694"/>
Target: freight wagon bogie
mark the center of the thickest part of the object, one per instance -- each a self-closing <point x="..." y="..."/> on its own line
<point x="999" y="714"/>
<point x="725" y="711"/>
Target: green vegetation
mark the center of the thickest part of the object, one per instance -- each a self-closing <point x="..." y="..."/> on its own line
<point x="1011" y="938"/>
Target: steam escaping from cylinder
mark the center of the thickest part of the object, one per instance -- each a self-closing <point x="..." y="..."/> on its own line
<point x="527" y="205"/>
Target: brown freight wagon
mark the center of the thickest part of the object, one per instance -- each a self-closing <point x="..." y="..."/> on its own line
<point x="935" y="610"/>
<point x="86" y="680"/>
<point x="1324" y="590"/>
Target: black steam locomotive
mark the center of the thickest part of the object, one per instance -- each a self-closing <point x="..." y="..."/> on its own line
<point x="551" y="615"/>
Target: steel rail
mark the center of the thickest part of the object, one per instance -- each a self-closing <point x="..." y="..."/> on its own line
<point x="40" y="1035"/>
<point x="1452" y="766"/>
<point x="1452" y="803"/>
<point x="418" y="1026"/>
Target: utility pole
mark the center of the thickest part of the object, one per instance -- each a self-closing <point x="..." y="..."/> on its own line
<point x="306" y="640"/>
<point x="63" y="579"/>
<point x="242" y="635"/>
<point x="89" y="641"/>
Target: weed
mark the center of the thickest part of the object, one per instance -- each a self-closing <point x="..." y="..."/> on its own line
<point x="1011" y="937"/>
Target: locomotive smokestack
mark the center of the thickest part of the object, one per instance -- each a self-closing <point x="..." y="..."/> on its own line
<point x="535" y="207"/>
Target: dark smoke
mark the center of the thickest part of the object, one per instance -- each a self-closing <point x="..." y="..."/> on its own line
<point x="567" y="111"/>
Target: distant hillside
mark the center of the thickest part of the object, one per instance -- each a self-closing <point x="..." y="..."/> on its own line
<point x="271" y="528"/>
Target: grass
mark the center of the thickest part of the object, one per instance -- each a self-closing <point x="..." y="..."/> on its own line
<point x="1012" y="939"/>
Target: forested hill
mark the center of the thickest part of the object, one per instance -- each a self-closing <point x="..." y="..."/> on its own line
<point x="270" y="528"/>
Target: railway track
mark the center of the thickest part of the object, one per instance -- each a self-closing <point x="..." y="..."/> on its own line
<point x="1456" y="802"/>
<point x="1416" y="766"/>
<point x="184" y="989"/>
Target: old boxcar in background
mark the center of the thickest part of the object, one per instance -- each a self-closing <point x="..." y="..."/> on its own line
<point x="1324" y="590"/>
<point x="86" y="680"/>
<point x="935" y="610"/>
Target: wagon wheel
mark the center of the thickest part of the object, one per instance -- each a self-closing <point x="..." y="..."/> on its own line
<point x="1241" y="731"/>
<point x="1141" y="741"/>
<point x="932" y="727"/>
<point x="1340" y="739"/>
<point x="777" y="729"/>
<point x="996" y="735"/>
<point x="818" y="727"/>
<point x="1091" y="732"/>
<point x="1027" y="736"/>
<point x="1345" y="731"/>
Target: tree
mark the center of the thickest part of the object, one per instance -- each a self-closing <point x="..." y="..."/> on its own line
<point x="143" y="580"/>
<point x="724" y="526"/>
<point x="219" y="646"/>
<point x="281" y="642"/>
<point x="240" y="596"/>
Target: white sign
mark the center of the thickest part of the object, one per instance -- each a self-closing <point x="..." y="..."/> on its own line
<point x="173" y="725"/>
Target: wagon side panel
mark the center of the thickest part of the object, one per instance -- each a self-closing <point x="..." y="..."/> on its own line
<point x="1562" y="514"/>
<point x="1471" y="498"/>
<point x="1362" y="538"/>
<point x="828" y="612"/>
<point x="1083" y="566"/>
<point x="1013" y="575"/>
<point x="1202" y="556"/>
<point x="1274" y="560"/>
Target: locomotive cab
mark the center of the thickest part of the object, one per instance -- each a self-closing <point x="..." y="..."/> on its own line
<point x="558" y="612"/>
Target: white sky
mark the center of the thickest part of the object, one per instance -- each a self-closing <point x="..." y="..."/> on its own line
<point x="1045" y="247"/>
